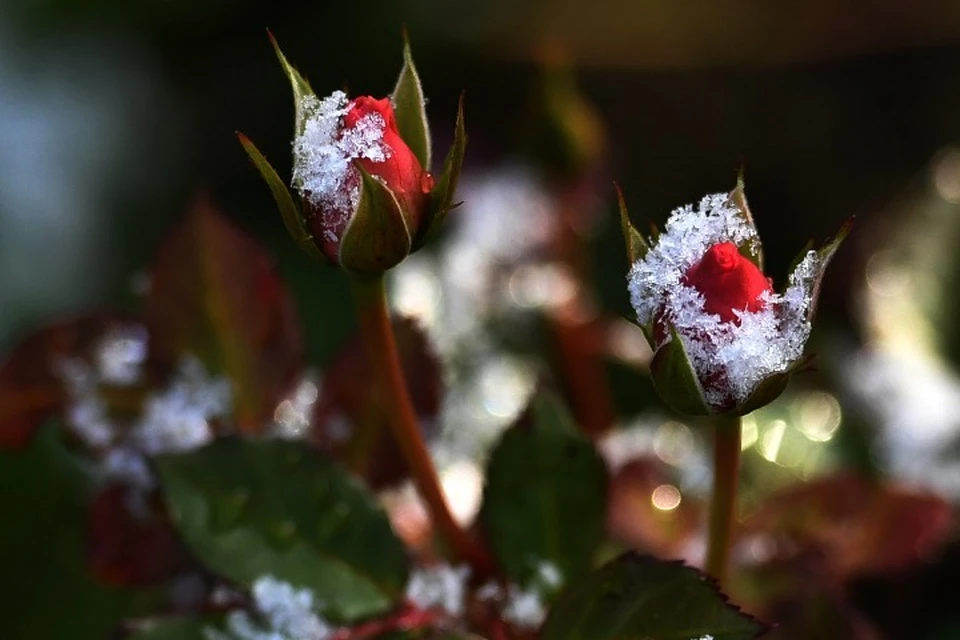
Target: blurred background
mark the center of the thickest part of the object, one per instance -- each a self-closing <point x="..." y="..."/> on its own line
<point x="116" y="116"/>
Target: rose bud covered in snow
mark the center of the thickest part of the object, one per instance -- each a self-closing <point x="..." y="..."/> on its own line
<point x="723" y="340"/>
<point x="361" y="171"/>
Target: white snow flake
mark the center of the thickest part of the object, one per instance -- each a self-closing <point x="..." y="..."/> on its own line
<point x="177" y="419"/>
<point x="525" y="608"/>
<point x="282" y="612"/>
<point x="440" y="586"/>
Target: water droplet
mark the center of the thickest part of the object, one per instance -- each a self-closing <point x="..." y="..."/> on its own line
<point x="426" y="182"/>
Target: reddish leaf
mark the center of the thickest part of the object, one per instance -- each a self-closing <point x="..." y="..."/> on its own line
<point x="861" y="526"/>
<point x="349" y="419"/>
<point x="216" y="294"/>
<point x="802" y="598"/>
<point x="30" y="387"/>
<point x="130" y="541"/>
<point x="647" y="510"/>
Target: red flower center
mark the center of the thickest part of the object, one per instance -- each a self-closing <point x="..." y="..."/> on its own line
<point x="728" y="282"/>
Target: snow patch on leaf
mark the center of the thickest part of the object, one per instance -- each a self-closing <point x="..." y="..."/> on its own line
<point x="280" y="612"/>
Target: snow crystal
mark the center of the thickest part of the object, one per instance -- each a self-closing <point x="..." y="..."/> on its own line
<point x="734" y="358"/>
<point x="86" y="414"/>
<point x="178" y="418"/>
<point x="293" y="415"/>
<point x="323" y="155"/>
<point x="120" y="354"/>
<point x="117" y="359"/>
<point x="440" y="586"/>
<point x="283" y="612"/>
<point x="524" y="608"/>
<point x="129" y="467"/>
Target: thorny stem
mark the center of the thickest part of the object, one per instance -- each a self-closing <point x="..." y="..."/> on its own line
<point x="723" y="505"/>
<point x="376" y="331"/>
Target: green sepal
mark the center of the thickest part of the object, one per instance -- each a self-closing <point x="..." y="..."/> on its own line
<point x="301" y="88"/>
<point x="766" y="392"/>
<point x="376" y="238"/>
<point x="292" y="218"/>
<point x="751" y="251"/>
<point x="824" y="255"/>
<point x="441" y="198"/>
<point x="675" y="379"/>
<point x="409" y="107"/>
<point x="637" y="247"/>
<point x="771" y="387"/>
<point x="800" y="256"/>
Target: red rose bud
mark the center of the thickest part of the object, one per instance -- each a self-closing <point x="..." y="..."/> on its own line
<point x="723" y="341"/>
<point x="340" y="141"/>
<point x="729" y="282"/>
<point x="360" y="169"/>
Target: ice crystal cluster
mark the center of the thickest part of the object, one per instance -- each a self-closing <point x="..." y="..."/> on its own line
<point x="439" y="587"/>
<point x="444" y="587"/>
<point x="323" y="156"/>
<point x="733" y="357"/>
<point x="173" y="419"/>
<point x="280" y="612"/>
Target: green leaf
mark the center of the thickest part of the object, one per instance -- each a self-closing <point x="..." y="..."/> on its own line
<point x="216" y="295"/>
<point x="546" y="494"/>
<point x="301" y="88"/>
<point x="636" y="246"/>
<point x="441" y="198"/>
<point x="377" y="237"/>
<point x="675" y="380"/>
<point x="409" y="107"/>
<point x="289" y="211"/>
<point x="247" y="509"/>
<point x="641" y="598"/>
<point x="753" y="251"/>
<point x="171" y="629"/>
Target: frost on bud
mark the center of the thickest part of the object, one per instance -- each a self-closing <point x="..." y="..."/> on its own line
<point x="723" y="340"/>
<point x="360" y="171"/>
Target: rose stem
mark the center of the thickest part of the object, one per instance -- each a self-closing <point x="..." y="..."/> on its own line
<point x="376" y="332"/>
<point x="723" y="506"/>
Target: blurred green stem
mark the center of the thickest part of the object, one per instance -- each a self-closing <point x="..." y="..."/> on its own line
<point x="376" y="330"/>
<point x="723" y="505"/>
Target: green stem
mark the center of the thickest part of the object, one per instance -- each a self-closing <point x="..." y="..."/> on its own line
<point x="376" y="331"/>
<point x="723" y="506"/>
